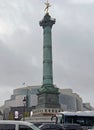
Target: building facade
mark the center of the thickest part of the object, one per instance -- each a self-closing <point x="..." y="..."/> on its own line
<point x="68" y="100"/>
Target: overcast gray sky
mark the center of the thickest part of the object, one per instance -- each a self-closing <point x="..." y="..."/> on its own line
<point x="21" y="45"/>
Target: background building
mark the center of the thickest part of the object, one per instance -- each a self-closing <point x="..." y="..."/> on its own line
<point x="68" y="100"/>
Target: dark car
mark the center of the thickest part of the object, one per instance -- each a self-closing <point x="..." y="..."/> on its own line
<point x="50" y="126"/>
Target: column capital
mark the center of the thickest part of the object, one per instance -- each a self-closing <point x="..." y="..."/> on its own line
<point x="47" y="21"/>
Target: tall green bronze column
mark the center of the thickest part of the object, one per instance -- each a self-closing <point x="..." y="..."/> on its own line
<point x="48" y="95"/>
<point x="47" y="24"/>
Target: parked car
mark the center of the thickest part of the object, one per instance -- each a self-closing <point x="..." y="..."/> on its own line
<point x="17" y="125"/>
<point x="51" y="126"/>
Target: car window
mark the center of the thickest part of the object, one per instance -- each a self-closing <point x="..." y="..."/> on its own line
<point x="24" y="127"/>
<point x="7" y="127"/>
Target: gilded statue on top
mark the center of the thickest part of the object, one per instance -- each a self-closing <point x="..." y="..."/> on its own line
<point x="47" y="6"/>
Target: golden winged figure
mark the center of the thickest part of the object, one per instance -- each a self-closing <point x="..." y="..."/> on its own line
<point x="47" y="6"/>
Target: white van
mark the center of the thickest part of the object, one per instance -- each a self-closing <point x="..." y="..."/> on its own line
<point x="17" y="125"/>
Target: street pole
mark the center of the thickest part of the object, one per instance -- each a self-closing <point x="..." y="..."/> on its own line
<point x="24" y="103"/>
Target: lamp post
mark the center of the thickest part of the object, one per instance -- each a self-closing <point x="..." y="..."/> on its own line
<point x="24" y="102"/>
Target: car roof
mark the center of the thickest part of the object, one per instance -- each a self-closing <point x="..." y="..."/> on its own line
<point x="14" y="122"/>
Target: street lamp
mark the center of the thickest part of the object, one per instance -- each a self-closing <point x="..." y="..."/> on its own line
<point x="24" y="102"/>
